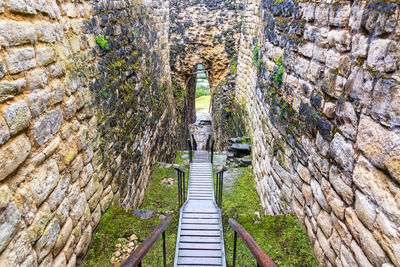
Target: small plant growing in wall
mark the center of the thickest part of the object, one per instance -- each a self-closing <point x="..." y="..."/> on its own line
<point x="102" y="42"/>
<point x="256" y="53"/>
<point x="280" y="69"/>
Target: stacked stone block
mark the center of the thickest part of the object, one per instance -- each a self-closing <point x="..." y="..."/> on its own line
<point x="325" y="140"/>
<point x="70" y="143"/>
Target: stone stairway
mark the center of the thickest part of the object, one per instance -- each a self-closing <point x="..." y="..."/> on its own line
<point x="200" y="239"/>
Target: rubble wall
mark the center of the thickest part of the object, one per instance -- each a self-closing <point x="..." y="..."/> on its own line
<point x="86" y="108"/>
<point x="319" y="81"/>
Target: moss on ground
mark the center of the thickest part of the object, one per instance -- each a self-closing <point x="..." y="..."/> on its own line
<point x="281" y="236"/>
<point x="117" y="223"/>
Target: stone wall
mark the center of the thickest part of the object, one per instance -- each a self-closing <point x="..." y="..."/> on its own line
<point x="80" y="125"/>
<point x="320" y="82"/>
<point x="202" y="31"/>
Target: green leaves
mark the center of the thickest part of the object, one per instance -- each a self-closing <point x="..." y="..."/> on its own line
<point x="279" y="71"/>
<point x="102" y="42"/>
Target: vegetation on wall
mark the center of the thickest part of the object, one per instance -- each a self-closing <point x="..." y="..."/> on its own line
<point x="102" y="42"/>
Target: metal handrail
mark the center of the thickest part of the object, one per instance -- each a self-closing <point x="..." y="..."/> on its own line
<point x="219" y="184"/>
<point x="181" y="185"/>
<point x="258" y="253"/>
<point x="135" y="259"/>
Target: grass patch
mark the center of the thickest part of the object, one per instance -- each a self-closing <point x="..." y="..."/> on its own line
<point x="281" y="236"/>
<point x="118" y="223"/>
<point x="203" y="103"/>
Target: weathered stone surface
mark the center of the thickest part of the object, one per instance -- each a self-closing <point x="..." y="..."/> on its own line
<point x="378" y="187"/>
<point x="360" y="85"/>
<point x="380" y="145"/>
<point x="16" y="33"/>
<point x="57" y="92"/>
<point x="347" y="119"/>
<point x="9" y="89"/>
<point x="39" y="101"/>
<point x="45" y="55"/>
<point x="106" y="201"/>
<point x="347" y="257"/>
<point x="380" y="18"/>
<point x="4" y="196"/>
<point x="47" y="32"/>
<point x="342" y="152"/>
<point x="20" y="59"/>
<point x="318" y="195"/>
<point x="338" y="181"/>
<point x="17" y="116"/>
<point x="326" y="248"/>
<point x="62" y="211"/>
<point x="86" y="174"/>
<point x="333" y="199"/>
<point x="45" y="178"/>
<point x="339" y="15"/>
<point x="9" y="221"/>
<point x="46" y="126"/>
<point x="21" y="6"/>
<point x="12" y="154"/>
<point x="59" y="192"/>
<point x="36" y="79"/>
<point x="383" y="55"/>
<point x="84" y="242"/>
<point x="387" y="235"/>
<point x="48" y="239"/>
<point x="324" y="221"/>
<point x="386" y="103"/>
<point x="359" y="255"/>
<point x="4" y="131"/>
<point x="18" y="251"/>
<point x="60" y="260"/>
<point x="365" y="210"/>
<point x="304" y="173"/>
<point x="78" y="209"/>
<point x="365" y="238"/>
<point x="63" y="237"/>
<point x="70" y="108"/>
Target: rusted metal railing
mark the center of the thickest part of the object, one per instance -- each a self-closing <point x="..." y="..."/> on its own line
<point x="135" y="259"/>
<point x="181" y="185"/>
<point x="258" y="253"/>
<point x="219" y="185"/>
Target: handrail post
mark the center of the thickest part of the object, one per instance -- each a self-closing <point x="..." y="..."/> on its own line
<point x="219" y="185"/>
<point x="181" y="185"/>
<point x="234" y="249"/>
<point x="194" y="143"/>
<point x="164" y="250"/>
<point x="208" y="143"/>
<point x="257" y="252"/>
<point x="135" y="259"/>
<point x="190" y="151"/>
<point x="212" y="151"/>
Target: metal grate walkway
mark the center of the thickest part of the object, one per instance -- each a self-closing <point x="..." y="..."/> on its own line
<point x="200" y="239"/>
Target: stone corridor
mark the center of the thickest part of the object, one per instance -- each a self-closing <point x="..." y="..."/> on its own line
<point x="93" y="93"/>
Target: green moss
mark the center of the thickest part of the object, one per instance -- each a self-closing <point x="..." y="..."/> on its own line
<point x="280" y="70"/>
<point x="117" y="223"/>
<point x="102" y="42"/>
<point x="281" y="237"/>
